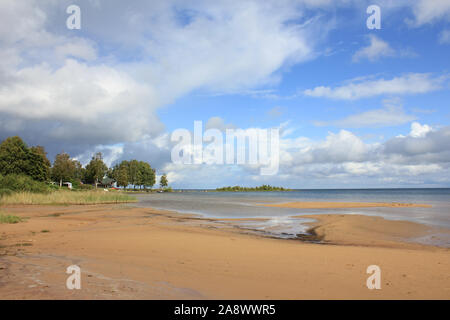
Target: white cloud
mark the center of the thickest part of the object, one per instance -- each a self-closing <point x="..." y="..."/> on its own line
<point x="419" y="131"/>
<point x="376" y="49"/>
<point x="22" y="20"/>
<point x="188" y="44"/>
<point x="412" y="83"/>
<point x="80" y="103"/>
<point x="422" y="145"/>
<point x="77" y="48"/>
<point x="424" y="155"/>
<point x="110" y="153"/>
<point x="56" y="84"/>
<point x="339" y="147"/>
<point x="444" y="37"/>
<point x="392" y="114"/>
<point x="426" y="11"/>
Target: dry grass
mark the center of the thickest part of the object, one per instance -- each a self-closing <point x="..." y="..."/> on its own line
<point x="66" y="198"/>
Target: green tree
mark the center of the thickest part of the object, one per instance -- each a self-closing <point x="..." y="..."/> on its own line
<point x="46" y="168"/>
<point x="118" y="170"/>
<point x="96" y="169"/>
<point x="13" y="156"/>
<point x="163" y="182"/>
<point x="138" y="173"/>
<point x="134" y="175"/>
<point x="17" y="158"/>
<point x="80" y="172"/>
<point x="110" y="172"/>
<point x="113" y="172"/>
<point x="36" y="168"/>
<point x="122" y="176"/>
<point x="63" y="168"/>
<point x="146" y="175"/>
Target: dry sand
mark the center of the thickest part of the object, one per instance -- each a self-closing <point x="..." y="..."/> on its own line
<point x="131" y="253"/>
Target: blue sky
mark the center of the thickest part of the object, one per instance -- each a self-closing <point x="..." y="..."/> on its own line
<point x="356" y="107"/>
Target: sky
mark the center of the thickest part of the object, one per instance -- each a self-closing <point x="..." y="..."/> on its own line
<point x="356" y="107"/>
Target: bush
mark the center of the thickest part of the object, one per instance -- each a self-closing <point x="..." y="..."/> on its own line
<point x="53" y="187"/>
<point x="76" y="184"/>
<point x="86" y="187"/>
<point x="21" y="183"/>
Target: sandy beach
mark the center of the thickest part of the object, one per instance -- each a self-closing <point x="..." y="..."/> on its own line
<point x="140" y="253"/>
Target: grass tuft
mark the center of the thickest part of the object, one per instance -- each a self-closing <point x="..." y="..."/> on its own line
<point x="9" y="219"/>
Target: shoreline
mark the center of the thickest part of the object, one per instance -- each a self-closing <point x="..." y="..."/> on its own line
<point x="306" y="232"/>
<point x="344" y="205"/>
<point x="129" y="252"/>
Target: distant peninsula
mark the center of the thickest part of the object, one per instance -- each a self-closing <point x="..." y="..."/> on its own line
<point x="264" y="187"/>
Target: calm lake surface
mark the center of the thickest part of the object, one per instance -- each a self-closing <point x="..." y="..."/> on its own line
<point x="278" y="221"/>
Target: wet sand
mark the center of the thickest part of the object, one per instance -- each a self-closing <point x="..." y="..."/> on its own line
<point x="140" y="253"/>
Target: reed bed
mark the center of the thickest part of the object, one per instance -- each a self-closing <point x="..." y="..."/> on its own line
<point x="66" y="198"/>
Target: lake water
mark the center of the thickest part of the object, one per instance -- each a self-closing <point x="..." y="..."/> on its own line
<point x="278" y="221"/>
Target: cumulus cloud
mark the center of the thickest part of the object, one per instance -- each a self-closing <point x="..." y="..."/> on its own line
<point x="419" y="131"/>
<point x="339" y="147"/>
<point x="422" y="155"/>
<point x="412" y="83"/>
<point x="419" y="157"/>
<point x="60" y="85"/>
<point x="80" y="103"/>
<point x="422" y="145"/>
<point x="422" y="141"/>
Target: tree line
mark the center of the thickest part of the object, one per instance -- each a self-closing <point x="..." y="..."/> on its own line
<point x="16" y="158"/>
<point x="264" y="187"/>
